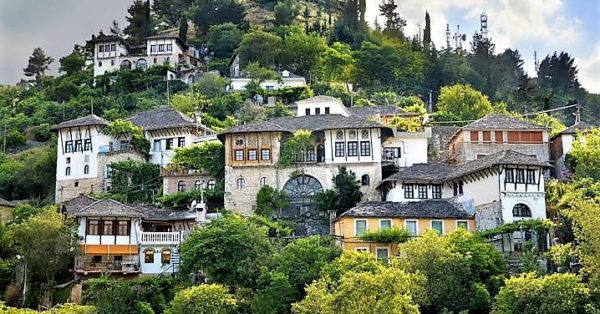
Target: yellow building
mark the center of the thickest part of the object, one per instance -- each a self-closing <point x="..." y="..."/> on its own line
<point x="416" y="217"/>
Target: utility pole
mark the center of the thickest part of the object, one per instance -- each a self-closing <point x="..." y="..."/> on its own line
<point x="92" y="105"/>
<point x="430" y="104"/>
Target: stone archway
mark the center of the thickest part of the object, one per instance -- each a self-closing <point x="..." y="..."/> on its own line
<point x="300" y="192"/>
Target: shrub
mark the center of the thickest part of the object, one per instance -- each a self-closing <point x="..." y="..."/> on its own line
<point x="203" y="299"/>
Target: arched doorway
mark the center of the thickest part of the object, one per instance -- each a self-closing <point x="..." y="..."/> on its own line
<point x="141" y="64"/>
<point x="125" y="65"/>
<point x="300" y="192"/>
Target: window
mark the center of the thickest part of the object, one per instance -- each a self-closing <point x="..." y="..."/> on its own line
<point x="385" y="224"/>
<point x="530" y="176"/>
<point x="108" y="170"/>
<point x="364" y="134"/>
<point x="474" y="136"/>
<point x="391" y="152"/>
<point x="265" y="154"/>
<point x="113" y="47"/>
<point x="307" y="111"/>
<point x="383" y="253"/>
<point x="462" y="224"/>
<point x="86" y="169"/>
<point x="165" y="256"/>
<point x="365" y="148"/>
<point x="458" y="188"/>
<point x="409" y="191"/>
<point x="101" y="48"/>
<point x="181" y="142"/>
<point x="352" y="134"/>
<point x="108" y="227"/>
<point x="68" y="171"/>
<point x="180" y="186"/>
<point x="154" y="60"/>
<point x="422" y="190"/>
<point x="106" y="48"/>
<point x="239" y="154"/>
<point x="86" y="158"/>
<point x="252" y="154"/>
<point x="365" y="180"/>
<point x="76" y="184"/>
<point x="149" y="256"/>
<point x="197" y="185"/>
<point x="438" y="226"/>
<point x="68" y="146"/>
<point x="509" y="177"/>
<point x="87" y="144"/>
<point x="339" y="149"/>
<point x="153" y="49"/>
<point x="362" y="249"/>
<point x="99" y="63"/>
<point x="310" y="154"/>
<point x="68" y="160"/>
<point x="240" y="183"/>
<point x="360" y="227"/>
<point x="352" y="149"/>
<point x="411" y="227"/>
<point x="436" y="191"/>
<point x="520" y="176"/>
<point x="169" y="144"/>
<point x="141" y="64"/>
<point x="317" y="110"/>
<point x="161" y="48"/>
<point x="211" y="184"/>
<point x="339" y="135"/>
<point x="169" y="47"/>
<point x="78" y="146"/>
<point x="521" y="210"/>
<point x="124" y="145"/>
<point x="112" y="62"/>
<point x="123" y="227"/>
<point x="239" y="141"/>
<point x="326" y="110"/>
<point x="93" y="227"/>
<point x="262" y="182"/>
<point x="157" y="145"/>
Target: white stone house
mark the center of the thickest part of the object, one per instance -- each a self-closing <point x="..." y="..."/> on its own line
<point x="562" y="143"/>
<point x="284" y="79"/>
<point x="499" y="188"/>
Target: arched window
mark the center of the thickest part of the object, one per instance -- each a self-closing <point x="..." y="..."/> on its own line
<point x="86" y="169"/>
<point x="365" y="179"/>
<point x="125" y="65"/>
<point x="262" y="182"/>
<point x="165" y="256"/>
<point x="181" y="186"/>
<point x="191" y="79"/>
<point x="197" y="185"/>
<point x="301" y="190"/>
<point x="149" y="256"/>
<point x="240" y="183"/>
<point x="521" y="210"/>
<point x="141" y="64"/>
<point x="211" y="184"/>
<point x="68" y="171"/>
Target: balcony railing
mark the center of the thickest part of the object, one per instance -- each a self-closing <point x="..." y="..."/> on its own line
<point x="108" y="267"/>
<point x="161" y="237"/>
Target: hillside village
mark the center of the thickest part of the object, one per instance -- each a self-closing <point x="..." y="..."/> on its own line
<point x="287" y="157"/>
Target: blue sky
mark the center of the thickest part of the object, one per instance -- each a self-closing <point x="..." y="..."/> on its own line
<point x="544" y="26"/>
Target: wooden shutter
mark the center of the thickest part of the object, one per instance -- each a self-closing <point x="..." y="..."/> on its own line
<point x="499" y="136"/>
<point x="474" y="136"/>
<point x="487" y="137"/>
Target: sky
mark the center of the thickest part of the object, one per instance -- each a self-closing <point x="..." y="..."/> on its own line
<point x="544" y="26"/>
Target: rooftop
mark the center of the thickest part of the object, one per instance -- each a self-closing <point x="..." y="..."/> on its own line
<point x="384" y="110"/>
<point x="441" y="172"/>
<point x="160" y="118"/>
<point x="91" y="119"/>
<point x="502" y="122"/>
<point x="578" y="127"/>
<point x="420" y="209"/>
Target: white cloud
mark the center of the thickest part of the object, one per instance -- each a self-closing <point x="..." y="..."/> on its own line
<point x="589" y="71"/>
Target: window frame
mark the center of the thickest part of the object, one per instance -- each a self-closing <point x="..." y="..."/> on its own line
<point x="163" y="259"/>
<point x="157" y="146"/>
<point x="530" y="176"/>
<point x="107" y="224"/>
<point x="181" y="186"/>
<point x="520" y="213"/>
<point x="422" y="191"/>
<point x="382" y="220"/>
<point x="365" y="148"/>
<point x="169" y="47"/>
<point x="356" y="227"/>
<point x="161" y="47"/>
<point x="441" y="221"/>
<point x="387" y="249"/>
<point x="340" y="149"/>
<point x="67" y="171"/>
<point x="87" y="144"/>
<point x="406" y="221"/>
<point x="240" y="183"/>
<point x="307" y="111"/>
<point x="78" y="146"/>
<point x="262" y="181"/>
<point x="362" y="249"/>
<point x="88" y="223"/>
<point x="352" y="149"/>
<point x="465" y="222"/>
<point x="147" y="253"/>
<point x="268" y="154"/>
<point x="520" y="176"/>
<point x="181" y="142"/>
<point x="327" y="110"/>
<point x="436" y="191"/>
<point x="238" y="155"/>
<point x="69" y="146"/>
<point x="509" y="175"/>
<point x="252" y="154"/>
<point x="86" y="169"/>
<point x="409" y="191"/>
<point x="169" y="144"/>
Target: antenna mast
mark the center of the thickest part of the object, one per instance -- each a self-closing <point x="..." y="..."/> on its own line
<point x="448" y="36"/>
<point x="484" y="24"/>
<point x="536" y="61"/>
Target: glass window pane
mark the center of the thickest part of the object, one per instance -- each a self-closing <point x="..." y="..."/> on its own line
<point x="383" y="253"/>
<point x="385" y="224"/>
<point x="361" y="227"/>
<point x="437" y="225"/>
<point x="411" y="226"/>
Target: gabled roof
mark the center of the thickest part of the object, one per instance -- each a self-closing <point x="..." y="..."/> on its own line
<point x="77" y="203"/>
<point x="311" y="123"/>
<point x="438" y="209"/>
<point x="91" y="119"/>
<point x="102" y="38"/>
<point x="502" y="122"/>
<point x="318" y="99"/>
<point x="168" y="36"/>
<point x="159" y="214"/>
<point x="440" y="172"/>
<point x="384" y="110"/>
<point x="161" y="118"/>
<point x="106" y="208"/>
<point x="579" y="127"/>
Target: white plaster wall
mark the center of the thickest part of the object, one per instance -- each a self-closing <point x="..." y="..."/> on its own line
<point x="156" y="267"/>
<point x="331" y="139"/>
<point x="335" y="107"/>
<point x="239" y="84"/>
<point x="534" y="200"/>
<point x="173" y="55"/>
<point x="482" y="191"/>
<point x="163" y="157"/>
<point x="413" y="148"/>
<point x="396" y="194"/>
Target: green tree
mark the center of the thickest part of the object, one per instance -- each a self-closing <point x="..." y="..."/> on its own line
<point x="140" y="23"/>
<point x="229" y="11"/>
<point x="549" y="121"/>
<point x="170" y="11"/>
<point x="268" y="200"/>
<point x="203" y="299"/>
<point x="224" y="39"/>
<point x="72" y="63"/>
<point x="286" y="12"/>
<point x="37" y="66"/>
<point x="259" y="46"/>
<point x="345" y="194"/>
<point x="190" y="102"/>
<point x="135" y="181"/>
<point x="460" y="103"/>
<point x="207" y="156"/>
<point x="337" y="63"/>
<point x="427" y="30"/>
<point x="230" y="250"/>
<point x="300" y="52"/>
<point x="585" y="155"/>
<point x="550" y="294"/>
<point x="394" y="24"/>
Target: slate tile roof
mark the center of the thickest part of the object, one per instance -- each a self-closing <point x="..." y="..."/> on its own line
<point x="15" y="203"/>
<point x="311" y="123"/>
<point x="106" y="208"/>
<point x="384" y="110"/>
<point x="91" y="119"/>
<point x="440" y="172"/>
<point x="437" y="209"/>
<point x="77" y="203"/>
<point x="579" y="127"/>
<point x="160" y="118"/>
<point x="503" y="122"/>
